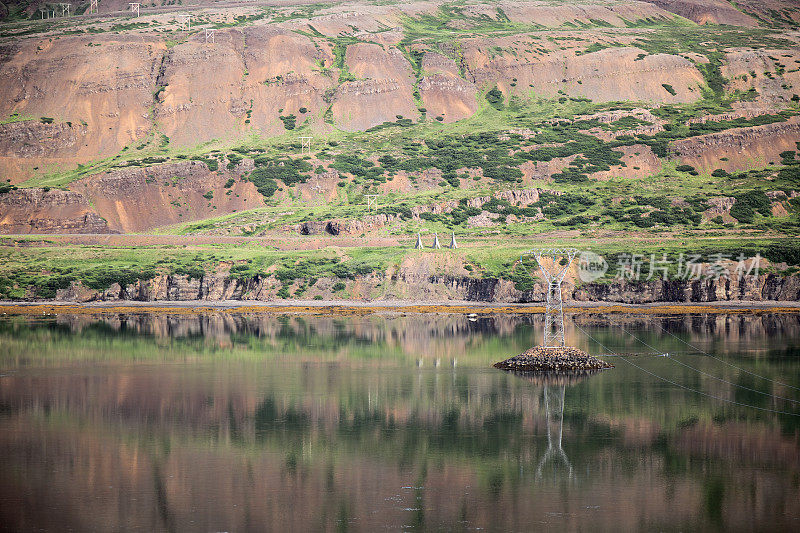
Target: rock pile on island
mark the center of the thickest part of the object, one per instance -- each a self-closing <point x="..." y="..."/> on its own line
<point x="560" y="359"/>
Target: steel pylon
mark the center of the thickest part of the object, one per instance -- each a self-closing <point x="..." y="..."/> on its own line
<point x="550" y="264"/>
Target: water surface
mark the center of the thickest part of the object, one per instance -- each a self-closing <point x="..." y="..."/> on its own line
<point x="222" y="422"/>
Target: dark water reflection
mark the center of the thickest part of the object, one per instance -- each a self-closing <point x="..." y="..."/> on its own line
<point x="223" y="422"/>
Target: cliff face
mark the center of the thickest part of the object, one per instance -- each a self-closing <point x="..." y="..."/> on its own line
<point x="739" y="148"/>
<point x="406" y="285"/>
<point x="54" y="211"/>
<point x="136" y="199"/>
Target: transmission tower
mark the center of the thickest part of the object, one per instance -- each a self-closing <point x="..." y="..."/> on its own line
<point x="372" y="202"/>
<point x="553" y="264"/>
<point x="305" y="145"/>
<point x="134" y="7"/>
<point x="453" y="244"/>
<point x="436" y="244"/>
<point x="210" y="35"/>
<point x="184" y="22"/>
<point x="419" y="245"/>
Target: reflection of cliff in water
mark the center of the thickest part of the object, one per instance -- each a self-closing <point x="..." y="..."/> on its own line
<point x="446" y="335"/>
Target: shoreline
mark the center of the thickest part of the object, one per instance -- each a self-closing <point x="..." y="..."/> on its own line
<point x="345" y="307"/>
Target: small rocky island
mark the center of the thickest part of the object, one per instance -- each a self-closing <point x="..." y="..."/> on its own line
<point x="553" y="359"/>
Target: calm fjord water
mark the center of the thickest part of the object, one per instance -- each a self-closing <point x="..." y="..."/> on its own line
<point x="225" y="422"/>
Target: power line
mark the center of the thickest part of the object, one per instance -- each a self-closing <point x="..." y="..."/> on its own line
<point x="684" y="386"/>
<point x="711" y="375"/>
<point x="727" y="363"/>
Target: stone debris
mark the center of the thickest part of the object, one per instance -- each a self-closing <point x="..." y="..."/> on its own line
<point x="560" y="359"/>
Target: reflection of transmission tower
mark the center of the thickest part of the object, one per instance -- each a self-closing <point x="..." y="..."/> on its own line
<point x="554" y="410"/>
<point x="553" y="263"/>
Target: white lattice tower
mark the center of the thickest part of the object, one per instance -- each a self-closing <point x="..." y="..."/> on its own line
<point x="305" y="145"/>
<point x="453" y="244"/>
<point x="210" y="34"/>
<point x="134" y="7"/>
<point x="550" y="265"/>
<point x="554" y="411"/>
<point x="93" y="6"/>
<point x="419" y="245"/>
<point x="185" y="22"/>
<point x="436" y="244"/>
<point x="44" y="10"/>
<point x="372" y="202"/>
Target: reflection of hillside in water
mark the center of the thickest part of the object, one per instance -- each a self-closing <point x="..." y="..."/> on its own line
<point x="311" y="441"/>
<point x="317" y="444"/>
<point x="445" y="335"/>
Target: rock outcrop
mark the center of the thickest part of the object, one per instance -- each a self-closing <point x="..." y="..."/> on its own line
<point x="517" y="197"/>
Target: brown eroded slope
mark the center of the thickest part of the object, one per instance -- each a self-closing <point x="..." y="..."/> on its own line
<point x="256" y="74"/>
<point x="776" y="11"/>
<point x="284" y="75"/>
<point x="202" y="96"/>
<point x="744" y="148"/>
<point x="383" y="89"/>
<point x="138" y="199"/>
<point x="707" y="12"/>
<point x="444" y="92"/>
<point x="101" y="82"/>
<point x="623" y="73"/>
<point x="29" y="146"/>
<point x="553" y="15"/>
<point x="747" y="68"/>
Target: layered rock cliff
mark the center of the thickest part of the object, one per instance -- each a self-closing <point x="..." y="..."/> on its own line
<point x="401" y="285"/>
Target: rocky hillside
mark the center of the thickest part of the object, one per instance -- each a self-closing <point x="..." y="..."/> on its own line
<point x="662" y="122"/>
<point x="114" y="88"/>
